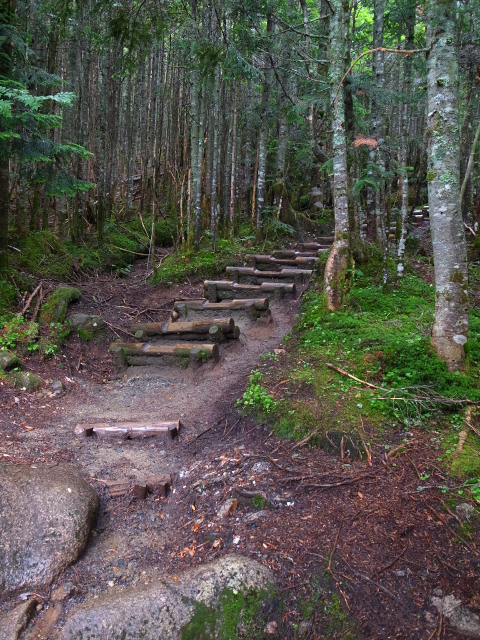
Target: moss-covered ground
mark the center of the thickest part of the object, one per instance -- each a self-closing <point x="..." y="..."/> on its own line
<point x="381" y="337"/>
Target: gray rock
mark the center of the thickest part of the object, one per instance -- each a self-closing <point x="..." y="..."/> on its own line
<point x="56" y="389"/>
<point x="13" y="622"/>
<point x="255" y="516"/>
<point x="162" y="609"/>
<point x="459" y="617"/>
<point x="45" y="518"/>
<point x="8" y="360"/>
<point x="466" y="511"/>
<point x="87" y="322"/>
<point x="25" y="380"/>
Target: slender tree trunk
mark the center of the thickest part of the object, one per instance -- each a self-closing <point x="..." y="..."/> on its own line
<point x="233" y="169"/>
<point x="339" y="260"/>
<point x="450" y="328"/>
<point x="404" y="141"/>
<point x="215" y="159"/>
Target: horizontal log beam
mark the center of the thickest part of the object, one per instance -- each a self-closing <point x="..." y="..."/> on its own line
<point x="246" y="274"/>
<point x="258" y="303"/>
<point x="216" y="290"/>
<point x="185" y="330"/>
<point x="129" y="430"/>
<point x="252" y="309"/>
<point x="274" y="262"/>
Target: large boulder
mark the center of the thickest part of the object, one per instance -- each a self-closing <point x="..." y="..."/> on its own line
<point x="197" y="604"/>
<point x="55" y="308"/>
<point x="45" y="519"/>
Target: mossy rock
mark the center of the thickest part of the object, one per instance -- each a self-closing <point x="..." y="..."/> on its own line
<point x="55" y="308"/>
<point x="26" y="380"/>
<point x="8" y="360"/>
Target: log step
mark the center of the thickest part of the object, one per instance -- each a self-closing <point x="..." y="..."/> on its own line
<point x="210" y="330"/>
<point x="274" y="264"/>
<point x="253" y="309"/>
<point x="129" y="430"/>
<point x="139" y="353"/>
<point x="293" y="253"/>
<point x="249" y="275"/>
<point x="217" y="290"/>
<point x="157" y="485"/>
<point x="313" y="246"/>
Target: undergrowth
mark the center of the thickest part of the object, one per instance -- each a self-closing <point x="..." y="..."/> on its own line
<point x="381" y="337"/>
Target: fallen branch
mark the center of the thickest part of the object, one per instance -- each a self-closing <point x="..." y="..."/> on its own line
<point x="349" y="375"/>
<point x="338" y="484"/>
<point x="390" y="564"/>
<point x="475" y="430"/>
<point x="334" y="547"/>
<point x="29" y="301"/>
<point x="135" y="253"/>
<point x="37" y="305"/>
<point x="453" y="532"/>
<point x="378" y="585"/>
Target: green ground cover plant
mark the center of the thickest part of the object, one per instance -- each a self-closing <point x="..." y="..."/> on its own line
<point x="381" y="337"/>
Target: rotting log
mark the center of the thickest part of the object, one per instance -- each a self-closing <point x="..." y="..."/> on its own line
<point x="144" y="353"/>
<point x="129" y="430"/>
<point x="251" y="309"/>
<point x="199" y="330"/>
<point x="217" y="290"/>
<point x="250" y="275"/>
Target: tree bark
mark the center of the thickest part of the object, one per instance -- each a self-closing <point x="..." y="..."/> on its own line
<point x="339" y="260"/>
<point x="450" y="328"/>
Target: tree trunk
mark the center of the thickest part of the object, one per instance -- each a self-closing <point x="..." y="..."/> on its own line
<point x="339" y="260"/>
<point x="450" y="328"/>
<point x="403" y="154"/>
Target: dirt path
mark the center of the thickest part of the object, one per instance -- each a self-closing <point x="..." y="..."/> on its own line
<point x="390" y="553"/>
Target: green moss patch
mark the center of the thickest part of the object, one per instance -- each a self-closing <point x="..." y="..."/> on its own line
<point x="241" y="615"/>
<point x="45" y="255"/>
<point x="55" y="308"/>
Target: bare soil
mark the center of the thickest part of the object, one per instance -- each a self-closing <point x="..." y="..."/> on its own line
<point x="363" y="531"/>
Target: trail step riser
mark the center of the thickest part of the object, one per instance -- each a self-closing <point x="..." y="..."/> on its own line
<point x="249" y="310"/>
<point x="208" y="330"/>
<point x="182" y="355"/>
<point x="216" y="291"/>
<point x="271" y="263"/>
<point x="248" y="275"/>
<point x="129" y="430"/>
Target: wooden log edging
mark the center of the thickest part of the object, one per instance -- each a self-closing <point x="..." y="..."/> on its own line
<point x="217" y="290"/>
<point x="142" y="352"/>
<point x="199" y="330"/>
<point x="254" y="309"/>
<point x="278" y="263"/>
<point x="129" y="430"/>
<point x="250" y="275"/>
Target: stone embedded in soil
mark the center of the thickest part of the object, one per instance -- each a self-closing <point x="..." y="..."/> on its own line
<point x="25" y="380"/>
<point x="459" y="617"/>
<point x="466" y="511"/>
<point x="13" y="622"/>
<point x="162" y="609"/>
<point x="45" y="519"/>
<point x="8" y="360"/>
<point x="55" y="308"/>
<point x="89" y="324"/>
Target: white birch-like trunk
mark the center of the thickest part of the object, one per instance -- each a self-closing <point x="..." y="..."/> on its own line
<point x="450" y="328"/>
<point x="339" y="259"/>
